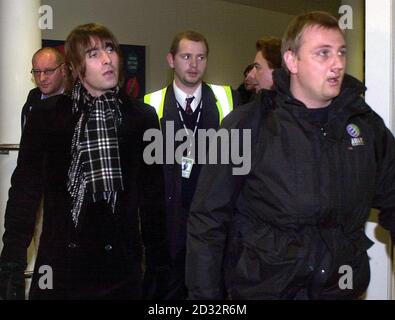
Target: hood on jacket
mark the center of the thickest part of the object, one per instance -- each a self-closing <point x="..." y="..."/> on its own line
<point x="351" y="88"/>
<point x="348" y="103"/>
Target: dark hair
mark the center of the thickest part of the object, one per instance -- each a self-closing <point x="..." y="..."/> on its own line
<point x="189" y="35"/>
<point x="270" y="47"/>
<point x="79" y="40"/>
<point x="58" y="55"/>
<point x="293" y="35"/>
<point x="248" y="69"/>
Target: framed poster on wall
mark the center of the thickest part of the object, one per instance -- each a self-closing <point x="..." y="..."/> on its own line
<point x="133" y="66"/>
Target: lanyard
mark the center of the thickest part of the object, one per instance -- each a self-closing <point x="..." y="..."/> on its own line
<point x="185" y="127"/>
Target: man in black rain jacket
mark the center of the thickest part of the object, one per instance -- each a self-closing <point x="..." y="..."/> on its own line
<point x="293" y="228"/>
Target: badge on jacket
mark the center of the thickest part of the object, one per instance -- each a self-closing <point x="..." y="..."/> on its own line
<point x="355" y="133"/>
<point x="186" y="166"/>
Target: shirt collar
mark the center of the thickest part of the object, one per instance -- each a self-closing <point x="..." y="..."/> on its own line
<point x="181" y="96"/>
<point x="43" y="96"/>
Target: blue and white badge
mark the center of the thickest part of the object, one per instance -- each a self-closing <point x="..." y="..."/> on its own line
<point x="355" y="133"/>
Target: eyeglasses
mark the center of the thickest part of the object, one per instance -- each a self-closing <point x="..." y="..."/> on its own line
<point x="47" y="72"/>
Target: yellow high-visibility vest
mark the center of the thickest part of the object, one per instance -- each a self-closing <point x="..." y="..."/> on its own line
<point x="223" y="95"/>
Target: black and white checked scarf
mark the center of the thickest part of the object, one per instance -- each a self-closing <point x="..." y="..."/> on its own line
<point x="95" y="169"/>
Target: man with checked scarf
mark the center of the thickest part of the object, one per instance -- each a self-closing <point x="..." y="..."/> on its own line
<point x="103" y="206"/>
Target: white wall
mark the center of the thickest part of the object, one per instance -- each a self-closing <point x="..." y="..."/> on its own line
<point x="355" y="38"/>
<point x="230" y="29"/>
<point x="380" y="83"/>
<point x="18" y="43"/>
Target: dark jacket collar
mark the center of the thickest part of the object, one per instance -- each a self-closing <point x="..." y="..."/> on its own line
<point x="351" y="89"/>
<point x="346" y="105"/>
<point x="209" y="114"/>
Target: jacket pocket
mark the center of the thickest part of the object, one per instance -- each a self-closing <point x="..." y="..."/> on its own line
<point x="266" y="261"/>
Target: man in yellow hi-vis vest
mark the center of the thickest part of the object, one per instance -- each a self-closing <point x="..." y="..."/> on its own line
<point x="187" y="104"/>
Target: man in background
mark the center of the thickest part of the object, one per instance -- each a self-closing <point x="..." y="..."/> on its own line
<point x="247" y="89"/>
<point x="187" y="103"/>
<point x="49" y="75"/>
<point x="267" y="58"/>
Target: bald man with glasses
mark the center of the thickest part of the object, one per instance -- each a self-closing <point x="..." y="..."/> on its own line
<point x="49" y="76"/>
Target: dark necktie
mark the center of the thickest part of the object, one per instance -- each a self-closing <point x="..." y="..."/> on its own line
<point x="188" y="108"/>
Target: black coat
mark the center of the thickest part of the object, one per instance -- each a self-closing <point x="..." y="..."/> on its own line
<point x="245" y="96"/>
<point x="286" y="229"/>
<point x="33" y="97"/>
<point x="102" y="257"/>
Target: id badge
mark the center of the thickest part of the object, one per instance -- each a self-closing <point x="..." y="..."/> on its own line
<point x="186" y="166"/>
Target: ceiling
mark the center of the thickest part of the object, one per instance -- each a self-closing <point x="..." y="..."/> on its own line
<point x="292" y="7"/>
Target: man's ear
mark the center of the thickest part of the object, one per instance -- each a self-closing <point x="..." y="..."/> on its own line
<point x="63" y="70"/>
<point x="291" y="61"/>
<point x="170" y="60"/>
